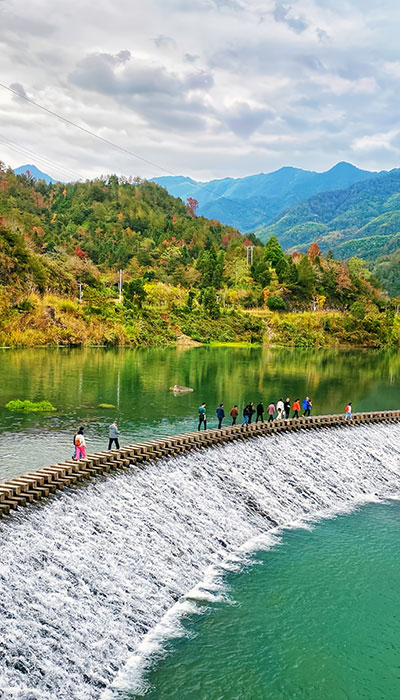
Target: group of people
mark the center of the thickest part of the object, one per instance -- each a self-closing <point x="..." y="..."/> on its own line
<point x="278" y="412"/>
<point x="80" y="443"/>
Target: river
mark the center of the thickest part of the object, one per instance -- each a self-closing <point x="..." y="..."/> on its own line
<point x="136" y="382"/>
<point x="170" y="581"/>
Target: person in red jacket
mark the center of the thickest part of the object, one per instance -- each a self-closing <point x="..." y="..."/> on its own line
<point x="296" y="408"/>
<point x="234" y="414"/>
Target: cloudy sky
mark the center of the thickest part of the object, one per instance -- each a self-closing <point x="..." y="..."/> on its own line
<point x="205" y="88"/>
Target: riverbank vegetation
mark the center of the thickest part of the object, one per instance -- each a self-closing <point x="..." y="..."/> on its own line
<point x="185" y="278"/>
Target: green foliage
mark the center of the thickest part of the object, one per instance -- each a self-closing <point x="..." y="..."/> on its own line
<point x="357" y="310"/>
<point x="260" y="273"/>
<point x="305" y="278"/>
<point x="210" y="303"/>
<point x="31" y="406"/>
<point x="134" y="293"/>
<point x="276" y="303"/>
<point x="182" y="274"/>
<point x="362" y="220"/>
<point x="273" y="252"/>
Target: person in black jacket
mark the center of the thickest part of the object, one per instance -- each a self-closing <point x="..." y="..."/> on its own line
<point x="260" y="412"/>
<point x="286" y="405"/>
<point x="250" y="410"/>
<point x="220" y="414"/>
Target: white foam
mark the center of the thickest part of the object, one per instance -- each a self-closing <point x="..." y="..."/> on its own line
<point x="86" y="580"/>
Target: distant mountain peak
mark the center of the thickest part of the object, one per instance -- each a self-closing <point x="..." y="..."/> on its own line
<point x="343" y="165"/>
<point x="34" y="172"/>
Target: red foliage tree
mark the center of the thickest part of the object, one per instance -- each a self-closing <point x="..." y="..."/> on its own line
<point x="80" y="253"/>
<point x="313" y="251"/>
<point x="191" y="206"/>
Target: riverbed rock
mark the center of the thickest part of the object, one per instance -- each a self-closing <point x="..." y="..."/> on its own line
<point x="177" y="389"/>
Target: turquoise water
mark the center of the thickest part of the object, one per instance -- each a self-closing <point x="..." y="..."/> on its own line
<point x="316" y="618"/>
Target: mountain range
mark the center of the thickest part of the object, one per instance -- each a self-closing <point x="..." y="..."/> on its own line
<point x="257" y="200"/>
<point x="362" y="220"/>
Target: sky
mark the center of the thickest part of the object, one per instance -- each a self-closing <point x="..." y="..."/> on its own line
<point x="203" y="88"/>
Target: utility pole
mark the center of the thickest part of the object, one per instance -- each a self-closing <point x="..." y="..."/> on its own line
<point x="120" y="287"/>
<point x="250" y="254"/>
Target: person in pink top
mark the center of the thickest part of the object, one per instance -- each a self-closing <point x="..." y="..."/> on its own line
<point x="80" y="444"/>
<point x="271" y="411"/>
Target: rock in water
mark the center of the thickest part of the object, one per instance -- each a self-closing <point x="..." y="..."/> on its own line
<point x="177" y="389"/>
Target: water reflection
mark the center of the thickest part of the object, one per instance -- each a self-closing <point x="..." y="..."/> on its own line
<point x="137" y="381"/>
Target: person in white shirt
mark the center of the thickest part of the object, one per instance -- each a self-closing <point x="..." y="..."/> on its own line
<point x="280" y="407"/>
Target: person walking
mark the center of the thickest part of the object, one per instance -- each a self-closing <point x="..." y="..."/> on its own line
<point x="280" y="407"/>
<point x="245" y="415"/>
<point x="296" y="408"/>
<point x="80" y="444"/>
<point x="234" y="414"/>
<point x="347" y="411"/>
<point x="251" y="410"/>
<point x="260" y="412"/>
<point x="286" y="405"/>
<point x="306" y="405"/>
<point x="220" y="414"/>
<point x="113" y="434"/>
<point x="271" y="412"/>
<point x="73" y="441"/>
<point x="202" y="416"/>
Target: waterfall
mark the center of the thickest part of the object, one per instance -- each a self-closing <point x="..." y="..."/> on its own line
<point x="85" y="578"/>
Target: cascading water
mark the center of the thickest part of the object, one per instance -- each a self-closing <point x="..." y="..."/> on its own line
<point x="84" y="579"/>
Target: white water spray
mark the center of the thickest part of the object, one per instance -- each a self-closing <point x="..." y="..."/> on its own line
<point x="84" y="580"/>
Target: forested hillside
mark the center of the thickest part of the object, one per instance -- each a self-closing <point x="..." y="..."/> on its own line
<point x="184" y="277"/>
<point x="362" y="220"/>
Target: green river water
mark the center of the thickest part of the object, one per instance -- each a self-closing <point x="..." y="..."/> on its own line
<point x="314" y="619"/>
<point x="137" y="383"/>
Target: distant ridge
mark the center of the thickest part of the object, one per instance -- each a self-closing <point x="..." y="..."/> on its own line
<point x="256" y="200"/>
<point x="35" y="173"/>
<point x="361" y="220"/>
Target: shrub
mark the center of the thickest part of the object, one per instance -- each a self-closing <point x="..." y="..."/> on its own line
<point x="33" y="406"/>
<point x="276" y="303"/>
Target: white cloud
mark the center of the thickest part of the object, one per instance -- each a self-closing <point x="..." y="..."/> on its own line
<point x="206" y="88"/>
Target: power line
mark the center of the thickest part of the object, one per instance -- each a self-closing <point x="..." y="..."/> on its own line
<point x="27" y="152"/>
<point x="126" y="150"/>
<point x="84" y="129"/>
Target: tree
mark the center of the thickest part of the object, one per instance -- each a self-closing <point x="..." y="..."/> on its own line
<point x="210" y="303"/>
<point x="282" y="269"/>
<point x="313" y="251"/>
<point x="306" y="278"/>
<point x="273" y="251"/>
<point x="260" y="273"/>
<point x="292" y="275"/>
<point x="275" y="303"/>
<point x="191" y="206"/>
<point x="211" y="267"/>
<point x="134" y="293"/>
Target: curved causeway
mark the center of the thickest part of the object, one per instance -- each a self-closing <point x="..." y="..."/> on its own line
<point x="32" y="486"/>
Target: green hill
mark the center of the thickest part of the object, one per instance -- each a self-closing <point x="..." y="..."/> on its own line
<point x="185" y="277"/>
<point x="337" y="219"/>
